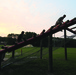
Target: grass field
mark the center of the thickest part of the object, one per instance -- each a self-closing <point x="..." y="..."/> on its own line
<point x="39" y="66"/>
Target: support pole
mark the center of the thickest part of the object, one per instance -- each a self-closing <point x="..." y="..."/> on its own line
<point x="13" y="53"/>
<point x="41" y="49"/>
<point x="21" y="51"/>
<point x="50" y="54"/>
<point x="65" y="44"/>
<point x="0" y="60"/>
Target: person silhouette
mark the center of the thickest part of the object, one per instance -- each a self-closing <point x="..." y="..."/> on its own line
<point x="60" y="21"/>
<point x="20" y="37"/>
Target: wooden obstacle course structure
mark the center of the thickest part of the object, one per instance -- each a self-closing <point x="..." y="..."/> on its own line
<point x="49" y="33"/>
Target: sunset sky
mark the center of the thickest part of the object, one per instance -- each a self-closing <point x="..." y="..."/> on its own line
<point x="33" y="15"/>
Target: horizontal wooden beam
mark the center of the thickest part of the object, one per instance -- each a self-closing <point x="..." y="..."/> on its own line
<point x="71" y="30"/>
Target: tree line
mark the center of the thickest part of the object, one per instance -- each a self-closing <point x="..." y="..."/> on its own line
<point x="57" y="42"/>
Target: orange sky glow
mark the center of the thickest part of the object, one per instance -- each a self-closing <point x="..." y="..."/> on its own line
<point x="23" y="15"/>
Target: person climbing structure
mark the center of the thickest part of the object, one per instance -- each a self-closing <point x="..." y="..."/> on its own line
<point x="60" y="21"/>
<point x="20" y="37"/>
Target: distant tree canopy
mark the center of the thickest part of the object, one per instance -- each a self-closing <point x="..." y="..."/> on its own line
<point x="12" y="35"/>
<point x="11" y="38"/>
<point x="57" y="42"/>
<point x="28" y="35"/>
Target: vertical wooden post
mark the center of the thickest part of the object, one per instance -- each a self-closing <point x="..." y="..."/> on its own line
<point x="13" y="53"/>
<point x="21" y="51"/>
<point x="41" y="49"/>
<point x="0" y="60"/>
<point x="50" y="54"/>
<point x="41" y="44"/>
<point x="54" y="40"/>
<point x="65" y="44"/>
